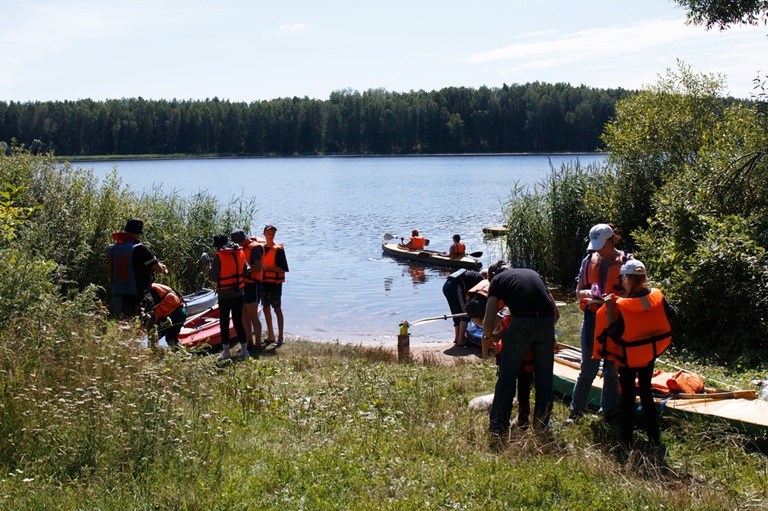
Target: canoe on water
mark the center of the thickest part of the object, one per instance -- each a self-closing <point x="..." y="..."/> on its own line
<point x="740" y="410"/>
<point x="430" y="257"/>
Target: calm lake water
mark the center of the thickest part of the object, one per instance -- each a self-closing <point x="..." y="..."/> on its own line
<point x="332" y="213"/>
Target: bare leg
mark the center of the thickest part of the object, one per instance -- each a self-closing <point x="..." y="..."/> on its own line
<point x="268" y="320"/>
<point x="462" y="331"/>
<point x="279" y="314"/>
<point x="251" y="319"/>
<point x="247" y="325"/>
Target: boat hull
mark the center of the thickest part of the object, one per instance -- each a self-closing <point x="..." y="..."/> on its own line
<point x="203" y="329"/>
<point x="200" y="301"/>
<point x="430" y="257"/>
<point x="737" y="410"/>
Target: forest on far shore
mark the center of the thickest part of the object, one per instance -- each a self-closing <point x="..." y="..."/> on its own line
<point x="535" y="117"/>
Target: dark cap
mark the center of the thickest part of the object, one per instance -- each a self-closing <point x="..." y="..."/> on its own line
<point x="238" y="235"/>
<point x="134" y="226"/>
<point x="219" y="240"/>
<point x="268" y="227"/>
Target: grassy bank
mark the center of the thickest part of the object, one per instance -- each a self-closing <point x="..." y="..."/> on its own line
<point x="92" y="419"/>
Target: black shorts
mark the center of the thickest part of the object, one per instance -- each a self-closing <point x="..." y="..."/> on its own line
<point x="252" y="293"/>
<point x="271" y="295"/>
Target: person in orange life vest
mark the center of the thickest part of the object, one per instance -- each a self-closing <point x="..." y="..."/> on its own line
<point x="457" y="249"/>
<point x="598" y="276"/>
<point x="168" y="312"/>
<point x="253" y="252"/>
<point x="633" y="331"/>
<point x="275" y="266"/>
<point x="416" y="242"/>
<point x="531" y="327"/>
<point x="131" y="268"/>
<point x="228" y="269"/>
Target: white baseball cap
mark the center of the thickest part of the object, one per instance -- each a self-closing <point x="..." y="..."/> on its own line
<point x="598" y="235"/>
<point x="632" y="267"/>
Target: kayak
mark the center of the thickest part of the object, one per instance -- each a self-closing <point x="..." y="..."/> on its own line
<point x="203" y="329"/>
<point x="740" y="410"/>
<point x="200" y="300"/>
<point x="430" y="257"/>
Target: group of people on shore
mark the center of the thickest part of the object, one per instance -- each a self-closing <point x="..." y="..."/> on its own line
<point x="625" y="327"/>
<point x="247" y="271"/>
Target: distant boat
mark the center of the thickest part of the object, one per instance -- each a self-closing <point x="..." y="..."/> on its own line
<point x="496" y="230"/>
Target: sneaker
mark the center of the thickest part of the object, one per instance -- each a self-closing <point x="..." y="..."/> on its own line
<point x="225" y="355"/>
<point x="243" y="354"/>
<point x="573" y="418"/>
<point x="612" y="418"/>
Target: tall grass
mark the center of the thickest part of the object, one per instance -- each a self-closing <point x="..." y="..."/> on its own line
<point x="549" y="223"/>
<point x="103" y="422"/>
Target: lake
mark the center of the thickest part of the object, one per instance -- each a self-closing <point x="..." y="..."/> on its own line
<point x="332" y="213"/>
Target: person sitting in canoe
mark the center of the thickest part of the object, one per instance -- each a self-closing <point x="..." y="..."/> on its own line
<point x="415" y="242"/>
<point x="457" y="248"/>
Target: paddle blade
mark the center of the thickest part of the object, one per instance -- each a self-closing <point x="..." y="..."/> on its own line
<point x="476" y="254"/>
<point x="426" y="243"/>
<point x="388" y="236"/>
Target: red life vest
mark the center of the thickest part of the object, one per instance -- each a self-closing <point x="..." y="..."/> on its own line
<point x="609" y="283"/>
<point x="167" y="301"/>
<point x="232" y="269"/>
<point x="646" y="331"/>
<point x="417" y="243"/>
<point x="248" y="247"/>
<point x="459" y="249"/>
<point x="268" y="260"/>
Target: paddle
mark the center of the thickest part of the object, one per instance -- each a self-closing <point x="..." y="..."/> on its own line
<point x="388" y="237"/>
<point x="437" y="318"/>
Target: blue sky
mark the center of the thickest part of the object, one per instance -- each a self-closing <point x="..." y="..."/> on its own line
<point x="254" y="50"/>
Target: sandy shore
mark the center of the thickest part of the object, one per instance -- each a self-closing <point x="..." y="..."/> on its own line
<point x="445" y="353"/>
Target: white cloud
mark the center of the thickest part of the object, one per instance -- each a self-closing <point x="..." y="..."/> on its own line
<point x="296" y="27"/>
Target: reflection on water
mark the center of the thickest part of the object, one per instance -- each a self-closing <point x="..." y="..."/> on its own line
<point x="332" y="214"/>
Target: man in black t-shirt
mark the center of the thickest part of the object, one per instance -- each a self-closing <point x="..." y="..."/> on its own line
<point x="534" y="314"/>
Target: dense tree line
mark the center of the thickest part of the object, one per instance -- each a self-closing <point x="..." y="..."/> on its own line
<point x="536" y="117"/>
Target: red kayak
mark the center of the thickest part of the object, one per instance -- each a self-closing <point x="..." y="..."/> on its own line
<point x="203" y="328"/>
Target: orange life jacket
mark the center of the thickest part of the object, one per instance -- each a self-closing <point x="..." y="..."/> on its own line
<point x="481" y="288"/>
<point x="417" y="243"/>
<point x="609" y="283"/>
<point x="232" y="269"/>
<point x="248" y="246"/>
<point x="167" y="301"/>
<point x="459" y="249"/>
<point x="681" y="381"/>
<point x="646" y="331"/>
<point x="268" y="260"/>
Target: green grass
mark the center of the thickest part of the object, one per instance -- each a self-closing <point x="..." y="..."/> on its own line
<point x="93" y="420"/>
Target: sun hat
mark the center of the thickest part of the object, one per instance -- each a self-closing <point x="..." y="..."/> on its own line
<point x="238" y="235"/>
<point x="598" y="235"/>
<point x="134" y="226"/>
<point x="632" y="267"/>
